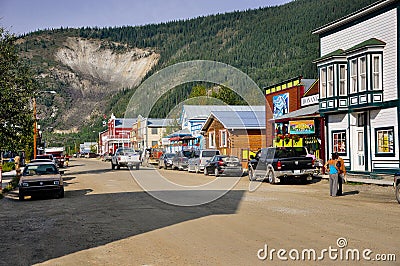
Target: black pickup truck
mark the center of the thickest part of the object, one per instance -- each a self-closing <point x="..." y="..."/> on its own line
<point x="277" y="163"/>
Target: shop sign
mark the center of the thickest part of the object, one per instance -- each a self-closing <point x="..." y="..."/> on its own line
<point x="309" y="100"/>
<point x="302" y="127"/>
<point x="281" y="104"/>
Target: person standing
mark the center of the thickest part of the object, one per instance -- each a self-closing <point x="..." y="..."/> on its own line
<point x="333" y="170"/>
<point x="17" y="162"/>
<point x="342" y="174"/>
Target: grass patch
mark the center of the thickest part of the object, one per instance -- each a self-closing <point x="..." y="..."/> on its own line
<point x="12" y="184"/>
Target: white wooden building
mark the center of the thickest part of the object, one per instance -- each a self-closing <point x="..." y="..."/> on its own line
<point x="359" y="89"/>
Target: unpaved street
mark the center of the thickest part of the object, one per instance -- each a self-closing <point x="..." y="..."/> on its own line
<point x="106" y="219"/>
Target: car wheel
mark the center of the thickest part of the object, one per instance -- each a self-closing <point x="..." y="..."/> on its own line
<point x="271" y="177"/>
<point x="21" y="196"/>
<point x="60" y="194"/>
<point x="112" y="166"/>
<point x="205" y="171"/>
<point x="216" y="172"/>
<point x="252" y="174"/>
<point x="398" y="192"/>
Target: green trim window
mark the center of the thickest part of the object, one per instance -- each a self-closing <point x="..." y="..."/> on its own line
<point x="323" y="83"/>
<point x="339" y="141"/>
<point x="376" y="72"/>
<point x="342" y="80"/>
<point x="330" y="81"/>
<point x="384" y="138"/>
<point x="363" y="73"/>
<point x="353" y="76"/>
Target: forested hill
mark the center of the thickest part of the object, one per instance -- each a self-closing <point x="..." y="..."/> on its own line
<point x="269" y="44"/>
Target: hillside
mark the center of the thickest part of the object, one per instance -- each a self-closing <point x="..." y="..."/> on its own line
<point x="94" y="70"/>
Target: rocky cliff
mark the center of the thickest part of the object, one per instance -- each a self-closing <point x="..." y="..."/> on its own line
<point x="91" y="71"/>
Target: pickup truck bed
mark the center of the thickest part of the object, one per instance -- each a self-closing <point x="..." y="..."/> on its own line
<point x="279" y="163"/>
<point x="126" y="158"/>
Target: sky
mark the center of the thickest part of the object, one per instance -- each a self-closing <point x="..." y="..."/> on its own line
<point x="24" y="16"/>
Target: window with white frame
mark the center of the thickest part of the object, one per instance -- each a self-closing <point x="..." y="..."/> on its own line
<point x="330" y="81"/>
<point x="154" y="131"/>
<point x="363" y="73"/>
<point x="323" y="82"/>
<point x="223" y="142"/>
<point x="384" y="140"/>
<point x="376" y="72"/>
<point x="342" y="80"/>
<point x="353" y="76"/>
<point x="211" y="139"/>
<point x="339" y="141"/>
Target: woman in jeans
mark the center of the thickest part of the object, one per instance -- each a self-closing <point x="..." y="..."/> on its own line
<point x="333" y="174"/>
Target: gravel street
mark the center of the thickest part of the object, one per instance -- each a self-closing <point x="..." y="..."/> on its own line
<point x="107" y="219"/>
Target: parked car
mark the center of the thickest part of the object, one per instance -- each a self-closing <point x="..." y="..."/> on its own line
<point x="199" y="160"/>
<point x="40" y="178"/>
<point x="180" y="160"/>
<point x="281" y="163"/>
<point x="166" y="160"/>
<point x="106" y="157"/>
<point x="396" y="185"/>
<point x="224" y="165"/>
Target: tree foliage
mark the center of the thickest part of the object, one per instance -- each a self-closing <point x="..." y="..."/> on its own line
<point x="17" y="87"/>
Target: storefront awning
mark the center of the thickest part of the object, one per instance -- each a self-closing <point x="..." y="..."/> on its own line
<point x="308" y="112"/>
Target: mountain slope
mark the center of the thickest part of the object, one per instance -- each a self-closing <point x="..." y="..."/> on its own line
<point x="92" y="68"/>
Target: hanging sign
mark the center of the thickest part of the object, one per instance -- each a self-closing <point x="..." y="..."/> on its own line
<point x="302" y="127"/>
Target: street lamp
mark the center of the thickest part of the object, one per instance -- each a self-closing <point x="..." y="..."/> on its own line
<point x="35" y="123"/>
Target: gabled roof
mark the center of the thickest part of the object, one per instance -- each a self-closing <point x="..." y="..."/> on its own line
<point x="237" y="120"/>
<point x="159" y="122"/>
<point x="124" y="122"/>
<point x="353" y="16"/>
<point x="203" y="111"/>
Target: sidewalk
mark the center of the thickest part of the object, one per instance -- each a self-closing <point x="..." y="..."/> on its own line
<point x="382" y="182"/>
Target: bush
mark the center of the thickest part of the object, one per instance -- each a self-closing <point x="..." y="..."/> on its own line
<point x="12" y="184"/>
<point x="8" y="166"/>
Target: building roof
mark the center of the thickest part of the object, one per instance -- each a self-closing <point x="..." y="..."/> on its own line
<point x="373" y="42"/>
<point x="124" y="122"/>
<point x="238" y="119"/>
<point x="305" y="112"/>
<point x="159" y="122"/>
<point x="203" y="111"/>
<point x="353" y="16"/>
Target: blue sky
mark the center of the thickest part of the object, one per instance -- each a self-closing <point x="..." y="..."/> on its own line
<point x="23" y="16"/>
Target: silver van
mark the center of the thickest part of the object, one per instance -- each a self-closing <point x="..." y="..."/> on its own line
<point x="199" y="160"/>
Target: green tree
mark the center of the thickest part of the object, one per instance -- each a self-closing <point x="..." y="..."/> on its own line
<point x="17" y="87"/>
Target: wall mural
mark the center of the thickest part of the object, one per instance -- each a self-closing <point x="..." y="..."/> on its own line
<point x="281" y="104"/>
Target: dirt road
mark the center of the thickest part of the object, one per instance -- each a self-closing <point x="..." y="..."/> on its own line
<point x="106" y="219"/>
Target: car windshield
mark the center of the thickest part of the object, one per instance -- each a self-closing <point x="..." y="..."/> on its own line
<point x="49" y="157"/>
<point x="290" y="152"/>
<point x="231" y="159"/>
<point x="187" y="154"/>
<point x="169" y="155"/>
<point x="127" y="152"/>
<point x="40" y="169"/>
<point x="210" y="153"/>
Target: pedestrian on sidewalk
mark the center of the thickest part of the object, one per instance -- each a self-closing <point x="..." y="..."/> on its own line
<point x="17" y="162"/>
<point x="333" y="170"/>
<point x="342" y="174"/>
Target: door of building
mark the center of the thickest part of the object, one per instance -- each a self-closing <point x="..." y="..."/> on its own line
<point x="359" y="151"/>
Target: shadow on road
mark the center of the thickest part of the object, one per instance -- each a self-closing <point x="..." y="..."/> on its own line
<point x="35" y="231"/>
<point x="347" y="193"/>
